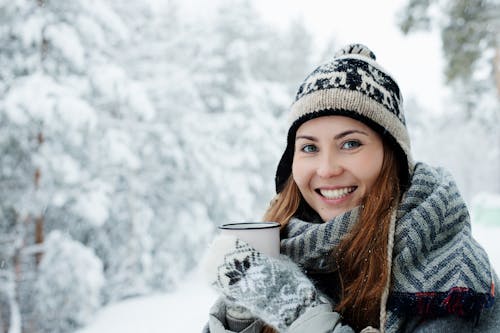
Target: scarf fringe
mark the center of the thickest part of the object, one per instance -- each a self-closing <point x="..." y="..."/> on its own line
<point x="460" y="301"/>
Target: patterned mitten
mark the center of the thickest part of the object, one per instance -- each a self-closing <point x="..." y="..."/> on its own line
<point x="273" y="289"/>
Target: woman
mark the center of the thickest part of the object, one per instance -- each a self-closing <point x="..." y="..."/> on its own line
<point x="370" y="241"/>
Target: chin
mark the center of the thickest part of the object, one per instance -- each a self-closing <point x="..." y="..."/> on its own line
<point x="333" y="214"/>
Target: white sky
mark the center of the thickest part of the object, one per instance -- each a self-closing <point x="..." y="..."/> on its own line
<point x="415" y="60"/>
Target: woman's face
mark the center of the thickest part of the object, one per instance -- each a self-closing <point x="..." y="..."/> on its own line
<point x="336" y="162"/>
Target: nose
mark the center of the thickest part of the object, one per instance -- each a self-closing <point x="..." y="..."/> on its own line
<point x="329" y="166"/>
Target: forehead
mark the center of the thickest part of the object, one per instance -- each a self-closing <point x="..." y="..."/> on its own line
<point x="334" y="124"/>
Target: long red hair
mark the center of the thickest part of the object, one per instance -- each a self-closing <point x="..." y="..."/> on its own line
<point x="362" y="253"/>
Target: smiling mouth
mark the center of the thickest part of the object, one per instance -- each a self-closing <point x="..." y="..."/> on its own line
<point x="336" y="193"/>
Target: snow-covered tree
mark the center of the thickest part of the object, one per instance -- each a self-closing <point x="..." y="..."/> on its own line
<point x="215" y="97"/>
<point x="131" y="130"/>
<point x="67" y="290"/>
<point x="63" y="102"/>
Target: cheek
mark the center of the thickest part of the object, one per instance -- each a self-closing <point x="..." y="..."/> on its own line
<point x="372" y="167"/>
<point x="299" y="174"/>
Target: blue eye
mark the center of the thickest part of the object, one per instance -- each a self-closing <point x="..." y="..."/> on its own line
<point x="352" y="144"/>
<point x="309" y="149"/>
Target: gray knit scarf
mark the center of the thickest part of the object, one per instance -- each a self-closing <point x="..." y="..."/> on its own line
<point x="437" y="268"/>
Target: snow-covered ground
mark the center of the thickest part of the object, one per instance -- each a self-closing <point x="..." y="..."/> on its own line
<point x="186" y="309"/>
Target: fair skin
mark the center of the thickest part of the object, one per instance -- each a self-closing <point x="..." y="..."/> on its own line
<point x="336" y="161"/>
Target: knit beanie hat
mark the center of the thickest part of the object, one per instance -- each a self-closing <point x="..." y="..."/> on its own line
<point x="353" y="84"/>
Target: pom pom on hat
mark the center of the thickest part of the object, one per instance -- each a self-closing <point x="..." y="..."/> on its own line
<point x="356" y="49"/>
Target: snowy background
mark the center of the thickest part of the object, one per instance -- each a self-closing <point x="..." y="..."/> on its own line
<point x="131" y="129"/>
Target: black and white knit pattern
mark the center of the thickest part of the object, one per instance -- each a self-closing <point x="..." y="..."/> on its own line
<point x="433" y="222"/>
<point x="437" y="267"/>
<point x="358" y="75"/>
<point x="273" y="289"/>
<point x="309" y="245"/>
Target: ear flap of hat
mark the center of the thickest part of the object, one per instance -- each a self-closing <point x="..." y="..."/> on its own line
<point x="284" y="169"/>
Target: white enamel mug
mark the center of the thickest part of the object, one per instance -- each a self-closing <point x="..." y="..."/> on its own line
<point x="263" y="236"/>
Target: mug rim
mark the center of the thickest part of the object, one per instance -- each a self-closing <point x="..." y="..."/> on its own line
<point x="249" y="225"/>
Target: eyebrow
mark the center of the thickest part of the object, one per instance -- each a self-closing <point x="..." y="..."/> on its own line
<point x="345" y="133"/>
<point x="336" y="137"/>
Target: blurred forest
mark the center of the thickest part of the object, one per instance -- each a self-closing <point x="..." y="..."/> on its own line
<point x="130" y="131"/>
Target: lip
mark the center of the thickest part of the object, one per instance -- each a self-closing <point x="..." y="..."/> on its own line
<point x="333" y="187"/>
<point x="346" y="197"/>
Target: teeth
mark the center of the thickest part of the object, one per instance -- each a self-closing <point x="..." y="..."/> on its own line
<point x="337" y="193"/>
